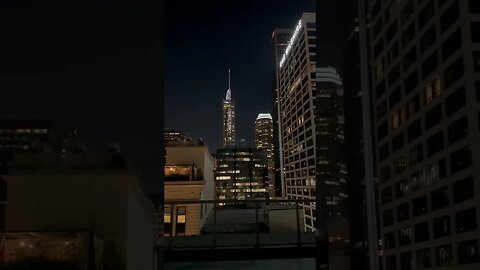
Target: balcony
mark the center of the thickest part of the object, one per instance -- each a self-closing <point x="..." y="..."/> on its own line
<point x="251" y="234"/>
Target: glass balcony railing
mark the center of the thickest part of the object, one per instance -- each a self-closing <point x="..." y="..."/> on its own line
<point x="236" y="224"/>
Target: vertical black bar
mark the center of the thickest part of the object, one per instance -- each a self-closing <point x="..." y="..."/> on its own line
<point x="170" y="240"/>
<point x="257" y="225"/>
<point x="214" y="225"/>
<point x="91" y="250"/>
<point x="299" y="236"/>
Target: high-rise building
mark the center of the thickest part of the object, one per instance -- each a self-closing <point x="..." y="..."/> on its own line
<point x="264" y="143"/>
<point x="175" y="137"/>
<point x="228" y="118"/>
<point x="296" y="85"/>
<point x="25" y="135"/>
<point x="280" y="38"/>
<point x="354" y="140"/>
<point x="241" y="174"/>
<point x="423" y="57"/>
<point x="312" y="138"/>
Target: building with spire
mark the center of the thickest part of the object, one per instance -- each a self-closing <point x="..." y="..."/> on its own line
<point x="228" y="118"/>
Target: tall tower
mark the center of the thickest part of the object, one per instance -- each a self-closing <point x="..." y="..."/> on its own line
<point x="264" y="142"/>
<point x="228" y="118"/>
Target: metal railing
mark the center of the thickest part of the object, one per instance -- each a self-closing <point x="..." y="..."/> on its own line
<point x="296" y="205"/>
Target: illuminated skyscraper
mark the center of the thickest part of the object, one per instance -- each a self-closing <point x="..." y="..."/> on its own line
<point x="264" y="143"/>
<point x="228" y="118"/>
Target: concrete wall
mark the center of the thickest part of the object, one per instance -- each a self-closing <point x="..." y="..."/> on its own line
<point x="185" y="191"/>
<point x="105" y="202"/>
<point x="201" y="157"/>
<point x="284" y="220"/>
<point x="140" y="226"/>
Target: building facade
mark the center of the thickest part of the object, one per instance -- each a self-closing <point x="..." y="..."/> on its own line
<point x="264" y="143"/>
<point x="241" y="174"/>
<point x="296" y="101"/>
<point x="312" y="138"/>
<point x="228" y="118"/>
<point x="189" y="175"/>
<point x="424" y="88"/>
<point x="280" y="39"/>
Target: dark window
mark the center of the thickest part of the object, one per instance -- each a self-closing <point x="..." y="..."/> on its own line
<point x="453" y="73"/>
<point x="429" y="65"/>
<point x="377" y="28"/>
<point x="378" y="48"/>
<point x="422" y="233"/>
<point x="394" y="75"/>
<point x="399" y="165"/>
<point x="441" y="227"/>
<point x="385" y="173"/>
<point x="403" y="212"/>
<point x="408" y="34"/>
<point x="382" y="109"/>
<point x="383" y="130"/>
<point x="468" y="252"/>
<point x="435" y="143"/>
<point x="428" y="39"/>
<point x="404" y="236"/>
<point x="433" y="117"/>
<point x="476" y="61"/>
<point x="440" y="198"/>
<point x="424" y="258"/>
<point x="426" y="14"/>
<point x="380" y="89"/>
<point x="416" y="154"/>
<point x="463" y="190"/>
<point x="376" y="8"/>
<point x="395" y="97"/>
<point x="419" y="206"/>
<point x="389" y="240"/>
<point x="455" y="101"/>
<point x="391" y="31"/>
<point x="388" y="218"/>
<point x="384" y="151"/>
<point x="401" y="187"/>
<point x="474" y="6"/>
<point x="458" y="130"/>
<point x="411" y="82"/>
<point x="406" y="262"/>
<point x="460" y="160"/>
<point x="449" y="17"/>
<point x="442" y="168"/>
<point x="391" y="262"/>
<point x="410" y="58"/>
<point x="397" y="142"/>
<point x="412" y="106"/>
<point x="466" y="220"/>
<point x="393" y="53"/>
<point x="414" y="130"/>
<point x="407" y="12"/>
<point x="475" y="32"/>
<point x="387" y="195"/>
<point x="181" y="219"/>
<point x="452" y="44"/>
<point x="444" y="255"/>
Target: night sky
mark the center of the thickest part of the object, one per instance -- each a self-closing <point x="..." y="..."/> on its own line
<point x="206" y="39"/>
<point x="90" y="65"/>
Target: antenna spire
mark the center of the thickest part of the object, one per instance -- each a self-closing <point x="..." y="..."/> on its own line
<point x="228" y="78"/>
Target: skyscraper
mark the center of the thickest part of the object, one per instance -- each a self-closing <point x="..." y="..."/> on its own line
<point x="423" y="58"/>
<point x="240" y="174"/>
<point x="264" y="143"/>
<point x="280" y="39"/>
<point x="310" y="101"/>
<point x="228" y="118"/>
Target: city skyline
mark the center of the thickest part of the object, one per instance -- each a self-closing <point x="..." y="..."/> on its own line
<point x="241" y="37"/>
